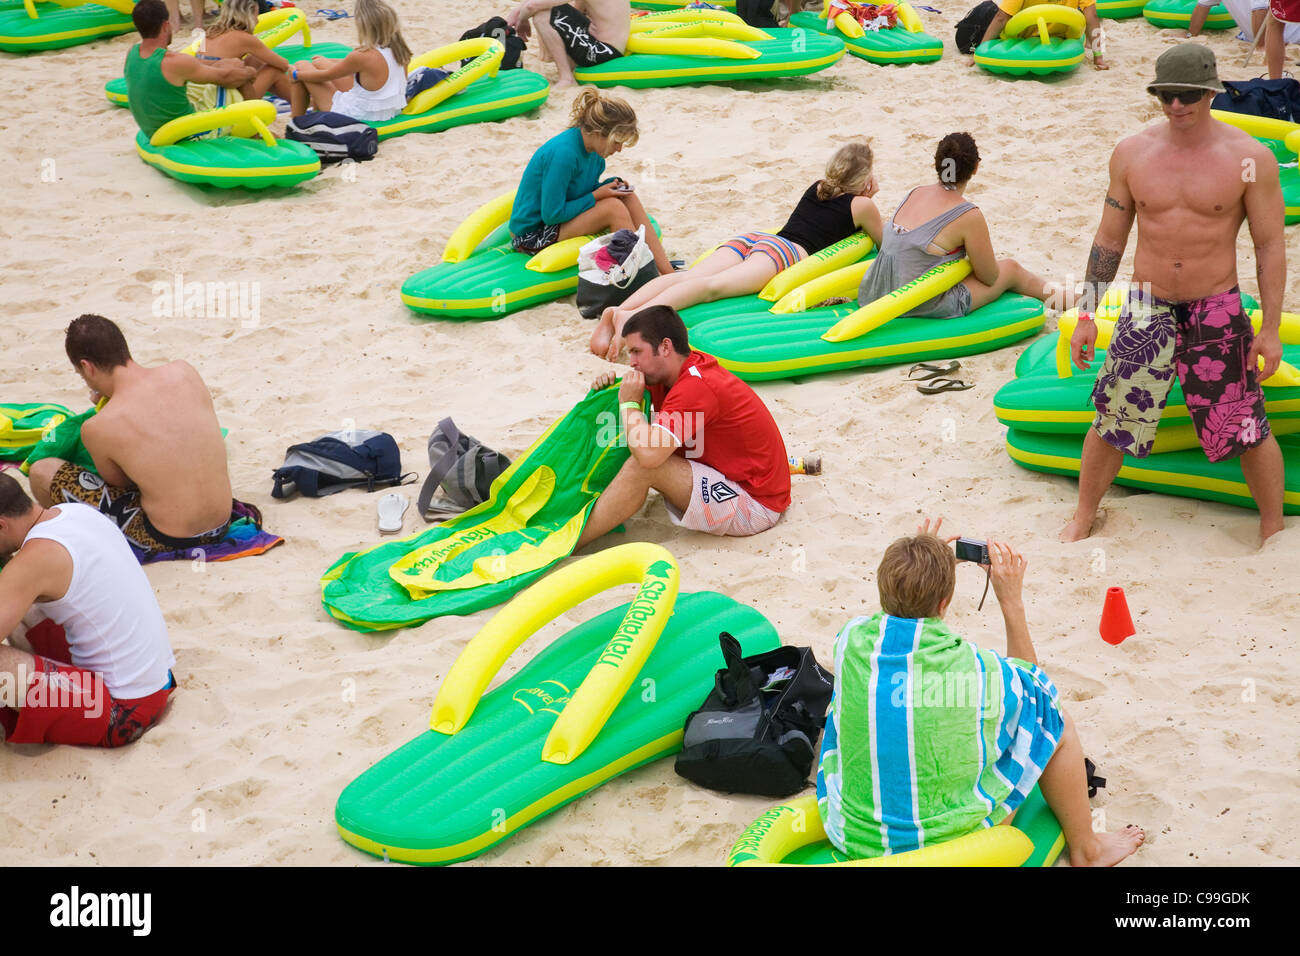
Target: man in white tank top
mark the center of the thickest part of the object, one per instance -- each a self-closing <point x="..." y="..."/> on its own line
<point x="100" y="674"/>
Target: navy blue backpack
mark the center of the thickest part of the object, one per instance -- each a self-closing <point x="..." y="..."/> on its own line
<point x="333" y="136"/>
<point x="347" y="459"/>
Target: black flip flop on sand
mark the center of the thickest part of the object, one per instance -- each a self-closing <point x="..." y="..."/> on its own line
<point x="929" y="371"/>
<point x="938" y="385"/>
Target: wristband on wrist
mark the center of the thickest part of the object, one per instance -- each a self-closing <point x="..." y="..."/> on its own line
<point x="635" y="406"/>
<point x="294" y="74"/>
<point x="1085" y="316"/>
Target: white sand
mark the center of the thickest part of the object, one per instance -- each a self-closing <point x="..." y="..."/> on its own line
<point x="1193" y="721"/>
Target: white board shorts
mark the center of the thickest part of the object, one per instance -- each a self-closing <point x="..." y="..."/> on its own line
<point x="720" y="506"/>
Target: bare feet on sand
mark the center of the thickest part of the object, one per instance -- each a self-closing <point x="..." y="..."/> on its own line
<point x="1080" y="528"/>
<point x="1107" y="849"/>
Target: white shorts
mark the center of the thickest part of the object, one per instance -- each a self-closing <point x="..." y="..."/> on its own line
<point x="720" y="506"/>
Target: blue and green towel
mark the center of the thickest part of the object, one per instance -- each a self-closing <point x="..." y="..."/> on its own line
<point x="929" y="737"/>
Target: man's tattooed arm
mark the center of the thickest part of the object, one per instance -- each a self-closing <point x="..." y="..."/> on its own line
<point x="1103" y="264"/>
<point x="1112" y="201"/>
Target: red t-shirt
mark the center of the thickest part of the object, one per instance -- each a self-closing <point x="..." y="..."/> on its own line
<point x="719" y="421"/>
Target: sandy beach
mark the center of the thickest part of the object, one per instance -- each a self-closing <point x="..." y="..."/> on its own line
<point x="1193" y="721"/>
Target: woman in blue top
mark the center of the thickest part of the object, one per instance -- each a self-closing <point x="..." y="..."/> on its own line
<point x="561" y="194"/>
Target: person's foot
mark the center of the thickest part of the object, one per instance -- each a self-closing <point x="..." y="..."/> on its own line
<point x="1076" y="530"/>
<point x="1098" y="63"/>
<point x="1107" y="849"/>
<point x="564" y="83"/>
<point x="604" y="333"/>
<point x="1266" y="533"/>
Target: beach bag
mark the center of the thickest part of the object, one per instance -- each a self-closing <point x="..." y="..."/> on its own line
<point x="757" y="13"/>
<point x="757" y="730"/>
<point x="326" y="465"/>
<point x="611" y="268"/>
<point x="463" y="467"/>
<point x="334" y="137"/>
<point x="1278" y="99"/>
<point x="499" y="30"/>
<point x="970" y="28"/>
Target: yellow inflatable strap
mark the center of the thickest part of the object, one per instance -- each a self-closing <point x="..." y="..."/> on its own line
<point x="486" y="54"/>
<point x="842" y="253"/>
<point x="239" y="117"/>
<point x="889" y="307"/>
<point x="612" y="673"/>
<point x="417" y="571"/>
<point x="1264" y="127"/>
<point x="121" y="6"/>
<point x="716" y="29"/>
<point x="705" y="46"/>
<point x="850" y="27"/>
<point x="558" y="255"/>
<point x="909" y="18"/>
<point x="477" y="226"/>
<point x="782" y="830"/>
<point x="841" y="282"/>
<point x="1040" y="16"/>
<point x="653" y="21"/>
<point x="1286" y="376"/>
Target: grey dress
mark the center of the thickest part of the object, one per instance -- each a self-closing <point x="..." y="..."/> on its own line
<point x="904" y="255"/>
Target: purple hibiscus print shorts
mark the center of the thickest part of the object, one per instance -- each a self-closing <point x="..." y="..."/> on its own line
<point x="1206" y="343"/>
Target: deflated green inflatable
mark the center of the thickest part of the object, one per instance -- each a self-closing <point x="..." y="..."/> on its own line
<point x="532" y="519"/>
<point x="24" y="425"/>
<point x="896" y="45"/>
<point x="448" y="797"/>
<point x="756" y="344"/>
<point x="63" y="441"/>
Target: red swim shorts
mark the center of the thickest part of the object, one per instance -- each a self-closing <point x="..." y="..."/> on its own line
<point x="1288" y="11"/>
<point x="69" y="705"/>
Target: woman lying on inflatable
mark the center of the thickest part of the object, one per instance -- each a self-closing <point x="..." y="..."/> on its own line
<point x="830" y="210"/>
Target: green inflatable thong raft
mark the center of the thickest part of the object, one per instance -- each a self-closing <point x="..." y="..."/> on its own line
<point x="532" y="519"/>
<point x="609" y="695"/>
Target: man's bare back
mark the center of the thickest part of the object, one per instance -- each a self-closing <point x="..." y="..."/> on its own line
<point x="1190" y="201"/>
<point x="159" y="433"/>
<point x="611" y="20"/>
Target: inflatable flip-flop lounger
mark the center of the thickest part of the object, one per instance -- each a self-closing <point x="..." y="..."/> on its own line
<point x="1048" y="411"/>
<point x="24" y="424"/>
<point x="532" y="519"/>
<point x="1119" y="9"/>
<point x="606" y="697"/>
<point x="33" y="25"/>
<point x="792" y="835"/>
<point x="905" y="42"/>
<point x="1177" y="15"/>
<point x="775" y="335"/>
<point x="481" y="276"/>
<point x="677" y="47"/>
<point x="1283" y="140"/>
<point x="1040" y="54"/>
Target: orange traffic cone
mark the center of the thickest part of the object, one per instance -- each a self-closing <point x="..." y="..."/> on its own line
<point x="1116" y="622"/>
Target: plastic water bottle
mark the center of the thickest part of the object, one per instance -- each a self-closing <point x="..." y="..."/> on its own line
<point x="805" y="466"/>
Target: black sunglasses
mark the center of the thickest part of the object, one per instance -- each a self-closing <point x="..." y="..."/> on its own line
<point x="1186" y="97"/>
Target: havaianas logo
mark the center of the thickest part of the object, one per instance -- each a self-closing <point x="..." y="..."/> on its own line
<point x="435" y="557"/>
<point x="746" y="847"/>
<point x="643" y="608"/>
<point x="543" y="697"/>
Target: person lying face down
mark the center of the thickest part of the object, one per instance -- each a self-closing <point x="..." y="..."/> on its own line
<point x="156" y="79"/>
<point x="100" y="671"/>
<point x="711" y="447"/>
<point x="930" y="737"/>
<point x="160" y="459"/>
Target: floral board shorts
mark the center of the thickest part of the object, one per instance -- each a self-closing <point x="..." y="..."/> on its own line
<point x="1205" y="342"/>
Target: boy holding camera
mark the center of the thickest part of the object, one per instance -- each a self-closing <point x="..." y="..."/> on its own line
<point x="930" y="737"/>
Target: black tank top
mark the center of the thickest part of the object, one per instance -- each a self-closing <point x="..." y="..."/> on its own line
<point x="818" y="223"/>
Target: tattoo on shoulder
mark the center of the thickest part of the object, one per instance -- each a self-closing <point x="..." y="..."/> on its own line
<point x="1112" y="201"/>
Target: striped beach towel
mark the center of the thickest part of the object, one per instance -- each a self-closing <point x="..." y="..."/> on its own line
<point x="929" y="737"/>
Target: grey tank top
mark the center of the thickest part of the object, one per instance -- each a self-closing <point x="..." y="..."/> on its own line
<point x="904" y="254"/>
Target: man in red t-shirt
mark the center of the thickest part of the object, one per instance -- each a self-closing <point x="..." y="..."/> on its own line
<point x="712" y="449"/>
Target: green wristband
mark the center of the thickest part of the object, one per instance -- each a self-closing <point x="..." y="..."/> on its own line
<point x="635" y="406"/>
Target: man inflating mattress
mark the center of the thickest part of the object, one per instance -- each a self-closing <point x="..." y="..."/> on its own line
<point x="712" y="448"/>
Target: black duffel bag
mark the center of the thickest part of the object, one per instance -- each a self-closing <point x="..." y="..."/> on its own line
<point x="1277" y="99"/>
<point x="757" y="731"/>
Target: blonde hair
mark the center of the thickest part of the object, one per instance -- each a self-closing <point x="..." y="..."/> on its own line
<point x="605" y="116"/>
<point x="378" y="26"/>
<point x="847" y="173"/>
<point x="915" y="576"/>
<point x="235" y="15"/>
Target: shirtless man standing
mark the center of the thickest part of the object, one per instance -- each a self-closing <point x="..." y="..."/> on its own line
<point x="571" y="37"/>
<point x="156" y="445"/>
<point x="1190" y="182"/>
